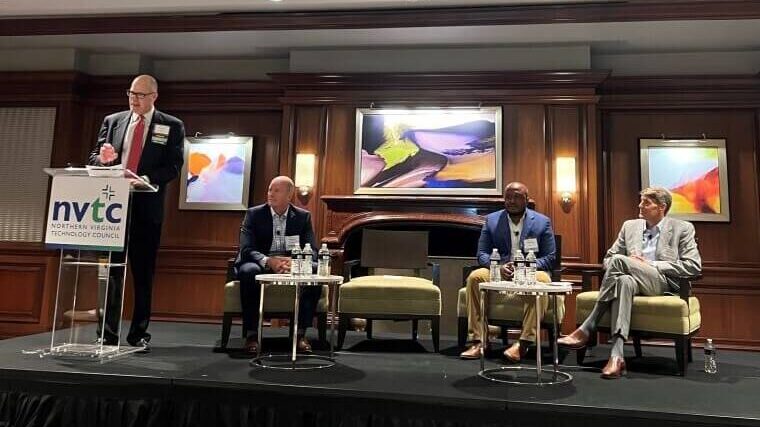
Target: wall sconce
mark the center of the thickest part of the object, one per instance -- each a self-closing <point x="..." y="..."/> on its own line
<point x="566" y="184"/>
<point x="305" y="173"/>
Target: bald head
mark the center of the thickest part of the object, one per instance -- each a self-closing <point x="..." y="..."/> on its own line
<point x="147" y="81"/>
<point x="516" y="198"/>
<point x="142" y="94"/>
<point x="279" y="193"/>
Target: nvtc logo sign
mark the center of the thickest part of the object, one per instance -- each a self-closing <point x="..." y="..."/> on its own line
<point x="87" y="213"/>
<point x="63" y="210"/>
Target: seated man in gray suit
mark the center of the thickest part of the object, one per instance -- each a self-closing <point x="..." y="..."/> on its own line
<point x="647" y="258"/>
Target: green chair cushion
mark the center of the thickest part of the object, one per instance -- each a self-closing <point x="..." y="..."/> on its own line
<point x="665" y="314"/>
<point x="390" y="295"/>
<point x="508" y="307"/>
<point x="277" y="299"/>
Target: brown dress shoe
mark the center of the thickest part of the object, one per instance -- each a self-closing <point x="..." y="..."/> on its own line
<point x="575" y="341"/>
<point x="251" y="345"/>
<point x="515" y="352"/>
<point x="614" y="369"/>
<point x="473" y="352"/>
<point x="303" y="345"/>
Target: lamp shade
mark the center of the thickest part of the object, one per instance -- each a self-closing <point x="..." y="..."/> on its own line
<point x="566" y="175"/>
<point x="305" y="170"/>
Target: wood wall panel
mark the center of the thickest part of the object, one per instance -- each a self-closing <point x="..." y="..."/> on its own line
<point x="188" y="229"/>
<point x="26" y="284"/>
<point x="310" y="124"/>
<point x="565" y="124"/>
<point x="525" y="149"/>
<point x="730" y="288"/>
<point x="337" y="167"/>
<point x="721" y="244"/>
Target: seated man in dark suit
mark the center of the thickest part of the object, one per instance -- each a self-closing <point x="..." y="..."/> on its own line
<point x="268" y="232"/>
<point x="514" y="227"/>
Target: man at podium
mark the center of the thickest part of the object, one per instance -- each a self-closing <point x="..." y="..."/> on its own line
<point x="148" y="143"/>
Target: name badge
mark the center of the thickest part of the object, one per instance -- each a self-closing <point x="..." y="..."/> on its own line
<point x="160" y="134"/>
<point x="162" y="130"/>
<point x="530" y="245"/>
<point x="291" y="241"/>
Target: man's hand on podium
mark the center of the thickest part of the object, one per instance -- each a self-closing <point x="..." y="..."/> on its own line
<point x="107" y="154"/>
<point x="136" y="183"/>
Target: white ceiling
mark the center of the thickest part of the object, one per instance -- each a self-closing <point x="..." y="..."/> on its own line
<point x="604" y="38"/>
<point x="93" y="7"/>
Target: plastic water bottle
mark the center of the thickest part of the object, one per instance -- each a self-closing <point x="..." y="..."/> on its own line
<point x="518" y="276"/>
<point x="323" y="262"/>
<point x="494" y="267"/>
<point x="295" y="260"/>
<point x="530" y="269"/>
<point x="711" y="363"/>
<point x="308" y="257"/>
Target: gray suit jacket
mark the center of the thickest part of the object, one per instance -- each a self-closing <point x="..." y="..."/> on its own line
<point x="677" y="255"/>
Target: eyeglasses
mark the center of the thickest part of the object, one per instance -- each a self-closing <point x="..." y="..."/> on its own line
<point x="138" y="95"/>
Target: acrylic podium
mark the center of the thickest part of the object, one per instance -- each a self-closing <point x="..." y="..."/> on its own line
<point x="88" y="220"/>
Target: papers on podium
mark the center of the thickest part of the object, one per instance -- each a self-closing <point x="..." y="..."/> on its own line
<point x="105" y="171"/>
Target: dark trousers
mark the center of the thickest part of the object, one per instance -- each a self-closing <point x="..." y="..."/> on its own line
<point x="250" y="294"/>
<point x="143" y="241"/>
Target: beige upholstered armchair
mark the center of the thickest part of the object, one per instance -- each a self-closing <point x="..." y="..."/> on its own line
<point x="675" y="317"/>
<point x="391" y="296"/>
<point x="506" y="311"/>
<point x="278" y="304"/>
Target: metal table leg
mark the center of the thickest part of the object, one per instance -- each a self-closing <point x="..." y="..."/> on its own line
<point x="538" y="339"/>
<point x="483" y="329"/>
<point x="295" y="323"/>
<point x="333" y="312"/>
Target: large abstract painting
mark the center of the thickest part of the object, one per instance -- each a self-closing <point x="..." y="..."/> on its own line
<point x="443" y="151"/>
<point x="216" y="173"/>
<point x="695" y="172"/>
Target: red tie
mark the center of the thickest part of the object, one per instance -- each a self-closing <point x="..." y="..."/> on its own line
<point x="135" y="149"/>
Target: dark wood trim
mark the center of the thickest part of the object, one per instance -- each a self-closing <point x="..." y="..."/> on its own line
<point x="465" y="80"/>
<point x="363" y="203"/>
<point x="672" y="92"/>
<point x="619" y="11"/>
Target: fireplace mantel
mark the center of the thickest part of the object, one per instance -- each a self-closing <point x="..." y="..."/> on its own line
<point x="347" y="213"/>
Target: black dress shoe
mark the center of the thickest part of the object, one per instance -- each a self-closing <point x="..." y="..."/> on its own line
<point x="142" y="343"/>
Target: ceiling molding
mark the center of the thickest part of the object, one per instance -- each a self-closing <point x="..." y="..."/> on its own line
<point x="680" y="92"/>
<point x="622" y="11"/>
<point x="468" y="80"/>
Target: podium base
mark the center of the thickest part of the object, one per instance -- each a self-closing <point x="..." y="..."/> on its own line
<point x="86" y="352"/>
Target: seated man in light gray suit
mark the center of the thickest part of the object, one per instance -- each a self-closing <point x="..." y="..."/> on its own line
<point x="648" y="257"/>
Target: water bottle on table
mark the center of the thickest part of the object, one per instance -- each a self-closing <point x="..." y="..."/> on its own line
<point x="518" y="276"/>
<point x="308" y="257"/>
<point x="494" y="266"/>
<point x="323" y="261"/>
<point x="295" y="261"/>
<point x="530" y="269"/>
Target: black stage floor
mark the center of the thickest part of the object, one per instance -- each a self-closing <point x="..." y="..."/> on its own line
<point x="384" y="382"/>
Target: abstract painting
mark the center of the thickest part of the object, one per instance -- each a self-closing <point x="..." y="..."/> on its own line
<point x="694" y="171"/>
<point x="216" y="173"/>
<point x="441" y="151"/>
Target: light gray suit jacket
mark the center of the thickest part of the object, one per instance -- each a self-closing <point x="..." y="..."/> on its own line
<point x="676" y="256"/>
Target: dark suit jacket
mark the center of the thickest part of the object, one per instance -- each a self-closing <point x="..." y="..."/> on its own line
<point x="495" y="234"/>
<point x="256" y="232"/>
<point x="161" y="163"/>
